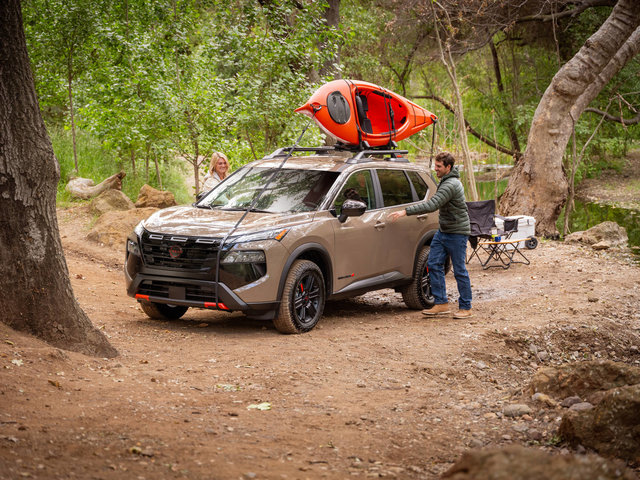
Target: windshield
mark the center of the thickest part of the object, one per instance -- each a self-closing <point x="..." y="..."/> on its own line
<point x="291" y="190"/>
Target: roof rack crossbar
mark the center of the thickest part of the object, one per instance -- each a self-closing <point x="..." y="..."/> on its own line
<point x="285" y="150"/>
<point x="393" y="153"/>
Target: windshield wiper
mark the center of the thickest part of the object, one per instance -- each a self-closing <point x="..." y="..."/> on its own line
<point x="242" y="209"/>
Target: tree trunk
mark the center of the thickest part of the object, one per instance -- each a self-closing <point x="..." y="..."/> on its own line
<point x="538" y="185"/>
<point x="450" y="67"/>
<point x="35" y="291"/>
<point x="332" y="19"/>
<point x="511" y="127"/>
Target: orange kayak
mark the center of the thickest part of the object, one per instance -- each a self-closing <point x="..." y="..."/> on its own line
<point x="354" y="112"/>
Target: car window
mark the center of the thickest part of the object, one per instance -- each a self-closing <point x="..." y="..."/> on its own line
<point x="358" y="186"/>
<point x="291" y="190"/>
<point x="395" y="187"/>
<point x="419" y="185"/>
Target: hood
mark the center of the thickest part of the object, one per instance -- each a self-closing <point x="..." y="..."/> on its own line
<point x="202" y="222"/>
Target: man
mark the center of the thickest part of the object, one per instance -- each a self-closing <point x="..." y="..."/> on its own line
<point x="449" y="240"/>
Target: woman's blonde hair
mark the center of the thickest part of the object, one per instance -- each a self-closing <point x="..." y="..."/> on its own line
<point x="214" y="161"/>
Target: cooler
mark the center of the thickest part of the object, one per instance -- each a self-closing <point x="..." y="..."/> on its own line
<point x="526" y="228"/>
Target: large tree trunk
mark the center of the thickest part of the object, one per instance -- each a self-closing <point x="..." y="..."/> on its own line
<point x="35" y="291"/>
<point x="538" y="185"/>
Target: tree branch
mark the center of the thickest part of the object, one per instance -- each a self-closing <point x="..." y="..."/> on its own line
<point x="471" y="130"/>
<point x="567" y="13"/>
<point x="612" y="118"/>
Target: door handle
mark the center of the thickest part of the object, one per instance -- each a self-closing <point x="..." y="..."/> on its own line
<point x="379" y="225"/>
<point x="423" y="216"/>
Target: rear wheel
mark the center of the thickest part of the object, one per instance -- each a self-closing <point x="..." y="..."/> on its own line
<point x="303" y="298"/>
<point x="417" y="295"/>
<point x="163" y="311"/>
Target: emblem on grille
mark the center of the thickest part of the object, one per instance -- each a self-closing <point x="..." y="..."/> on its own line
<point x="175" y="251"/>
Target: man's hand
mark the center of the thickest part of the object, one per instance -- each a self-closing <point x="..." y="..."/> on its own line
<point x="396" y="215"/>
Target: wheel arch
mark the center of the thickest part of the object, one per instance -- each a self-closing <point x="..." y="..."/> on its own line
<point x="424" y="241"/>
<point x="315" y="253"/>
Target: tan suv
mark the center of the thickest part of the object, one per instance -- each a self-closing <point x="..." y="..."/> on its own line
<point x="319" y="231"/>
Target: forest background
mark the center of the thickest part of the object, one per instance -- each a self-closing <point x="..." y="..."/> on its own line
<point x="153" y="88"/>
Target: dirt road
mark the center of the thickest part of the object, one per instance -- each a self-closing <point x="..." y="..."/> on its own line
<point x="375" y="390"/>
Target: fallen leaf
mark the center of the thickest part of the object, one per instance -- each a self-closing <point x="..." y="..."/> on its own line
<point x="260" y="406"/>
<point x="55" y="383"/>
<point x="203" y="325"/>
<point x="9" y="342"/>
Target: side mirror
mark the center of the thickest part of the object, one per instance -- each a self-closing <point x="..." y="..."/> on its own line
<point x="351" y="208"/>
<point x="200" y="195"/>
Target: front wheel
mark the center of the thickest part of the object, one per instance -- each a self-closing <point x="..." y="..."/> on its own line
<point x="303" y="298"/>
<point x="417" y="295"/>
<point x="163" y="311"/>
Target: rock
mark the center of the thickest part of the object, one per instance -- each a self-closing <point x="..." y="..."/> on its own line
<point x="583" y="379"/>
<point x="611" y="428"/>
<point x="580" y="407"/>
<point x="85" y="188"/>
<point x="110" y="200"/>
<point x="603" y="245"/>
<point x="150" y="197"/>
<point x="113" y="228"/>
<point x="609" y="232"/>
<point x="592" y="298"/>
<point x="543" y="398"/>
<point x="516" y="410"/>
<point x="516" y="462"/>
<point x="567" y="402"/>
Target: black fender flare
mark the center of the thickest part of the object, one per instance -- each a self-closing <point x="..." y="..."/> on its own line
<point x="299" y="251"/>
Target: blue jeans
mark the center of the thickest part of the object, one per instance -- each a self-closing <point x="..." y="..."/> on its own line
<point x="455" y="246"/>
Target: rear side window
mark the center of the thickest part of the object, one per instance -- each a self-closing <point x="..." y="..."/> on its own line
<point x="395" y="187"/>
<point x="418" y="184"/>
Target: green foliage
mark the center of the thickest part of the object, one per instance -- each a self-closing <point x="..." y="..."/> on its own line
<point x="99" y="163"/>
<point x="179" y="79"/>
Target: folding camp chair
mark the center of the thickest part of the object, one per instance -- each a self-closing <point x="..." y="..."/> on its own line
<point x="490" y="245"/>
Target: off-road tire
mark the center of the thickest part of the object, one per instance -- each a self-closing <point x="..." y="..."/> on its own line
<point x="303" y="298"/>
<point x="417" y="295"/>
<point x="162" y="311"/>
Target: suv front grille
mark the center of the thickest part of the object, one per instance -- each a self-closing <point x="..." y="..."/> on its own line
<point x="184" y="253"/>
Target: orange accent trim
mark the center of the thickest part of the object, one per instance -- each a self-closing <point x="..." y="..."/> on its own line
<point x="142" y="297"/>
<point x="220" y="306"/>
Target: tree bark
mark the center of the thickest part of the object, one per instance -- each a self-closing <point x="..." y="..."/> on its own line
<point x="538" y="185"/>
<point x="35" y="291"/>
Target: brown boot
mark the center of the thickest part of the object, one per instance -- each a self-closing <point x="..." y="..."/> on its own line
<point x="438" y="309"/>
<point x="463" y="314"/>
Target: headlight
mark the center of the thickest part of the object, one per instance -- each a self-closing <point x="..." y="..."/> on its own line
<point x="139" y="229"/>
<point x="244" y="256"/>
<point x="267" y="235"/>
<point x="133" y="248"/>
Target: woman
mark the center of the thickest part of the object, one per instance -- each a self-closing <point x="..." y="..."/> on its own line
<point x="218" y="170"/>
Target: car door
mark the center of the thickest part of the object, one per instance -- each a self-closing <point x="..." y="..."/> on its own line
<point x="358" y="242"/>
<point x="399" y="189"/>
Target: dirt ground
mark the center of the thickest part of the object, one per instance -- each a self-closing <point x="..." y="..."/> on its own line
<point x="376" y="390"/>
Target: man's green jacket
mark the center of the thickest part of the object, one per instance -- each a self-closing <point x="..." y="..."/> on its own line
<point x="449" y="199"/>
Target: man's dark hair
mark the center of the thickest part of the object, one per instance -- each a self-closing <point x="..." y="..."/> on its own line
<point x="446" y="158"/>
